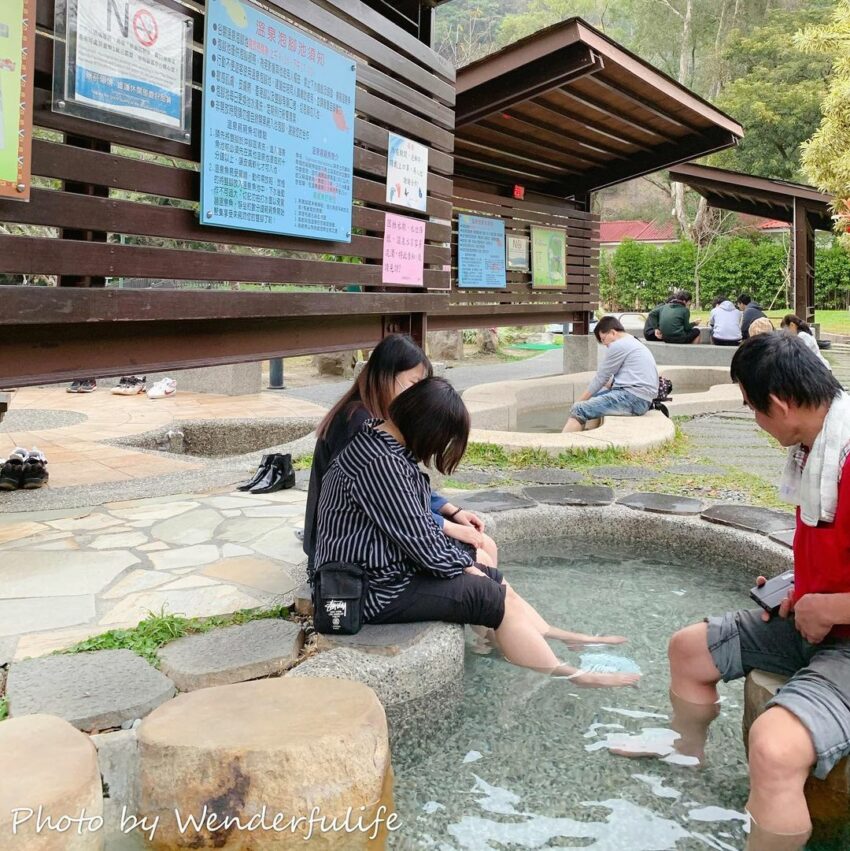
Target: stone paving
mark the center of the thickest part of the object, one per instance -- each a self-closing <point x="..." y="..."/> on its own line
<point x="66" y="578"/>
<point x="76" y="431"/>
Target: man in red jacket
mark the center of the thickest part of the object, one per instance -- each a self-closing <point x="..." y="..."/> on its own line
<point x="806" y="727"/>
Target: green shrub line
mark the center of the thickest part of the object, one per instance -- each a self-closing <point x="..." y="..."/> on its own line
<point x="4" y="709"/>
<point x="157" y="630"/>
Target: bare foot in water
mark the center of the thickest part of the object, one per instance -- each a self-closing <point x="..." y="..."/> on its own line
<point x="588" y="679"/>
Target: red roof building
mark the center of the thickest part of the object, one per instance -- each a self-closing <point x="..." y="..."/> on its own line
<point x="611" y="234"/>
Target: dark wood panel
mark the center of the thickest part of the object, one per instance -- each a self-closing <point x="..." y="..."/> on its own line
<point x="410" y="124"/>
<point x="66" y="210"/>
<point x="408" y="44"/>
<point x="397" y="91"/>
<point x="37" y="255"/>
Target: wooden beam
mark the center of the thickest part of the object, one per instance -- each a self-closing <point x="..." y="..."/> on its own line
<point x="714" y="139"/>
<point x="505" y="90"/>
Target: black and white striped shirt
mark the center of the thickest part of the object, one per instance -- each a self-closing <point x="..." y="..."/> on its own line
<point x="374" y="510"/>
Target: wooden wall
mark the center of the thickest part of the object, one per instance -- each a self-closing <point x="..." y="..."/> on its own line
<point x="401" y="85"/>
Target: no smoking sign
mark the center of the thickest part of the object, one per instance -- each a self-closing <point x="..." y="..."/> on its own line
<point x="145" y="28"/>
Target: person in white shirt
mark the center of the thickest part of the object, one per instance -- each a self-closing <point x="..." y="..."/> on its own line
<point x="802" y="331"/>
<point x="725" y="323"/>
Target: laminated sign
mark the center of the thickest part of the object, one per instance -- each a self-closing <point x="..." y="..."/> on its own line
<point x="17" y="43"/>
<point x="127" y="63"/>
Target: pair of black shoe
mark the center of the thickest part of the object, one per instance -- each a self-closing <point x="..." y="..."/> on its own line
<point x="275" y="473"/>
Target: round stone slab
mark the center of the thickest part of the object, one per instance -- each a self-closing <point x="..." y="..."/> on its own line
<point x="92" y="691"/>
<point x="280" y="745"/>
<point x="750" y="518"/>
<point x="495" y="501"/>
<point x="662" y="503"/>
<point x="546" y="476"/>
<point x="232" y="655"/>
<point x="633" y="474"/>
<point x="54" y="766"/>
<point x="477" y="477"/>
<point x="571" y="494"/>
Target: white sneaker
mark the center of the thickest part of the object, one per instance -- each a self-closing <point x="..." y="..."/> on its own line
<point x="164" y="387"/>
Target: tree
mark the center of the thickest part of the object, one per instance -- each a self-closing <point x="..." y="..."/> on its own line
<point x="826" y="156"/>
<point x="775" y="93"/>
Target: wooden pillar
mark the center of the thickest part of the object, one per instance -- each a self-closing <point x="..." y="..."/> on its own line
<point x="84" y="235"/>
<point x="802" y="264"/>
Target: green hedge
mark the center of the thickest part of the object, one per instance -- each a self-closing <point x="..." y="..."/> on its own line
<point x="637" y="276"/>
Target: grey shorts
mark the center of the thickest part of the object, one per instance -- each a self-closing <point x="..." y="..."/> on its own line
<point x="818" y="693"/>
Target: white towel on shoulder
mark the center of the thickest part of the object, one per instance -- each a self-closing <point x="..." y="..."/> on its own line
<point x="813" y="483"/>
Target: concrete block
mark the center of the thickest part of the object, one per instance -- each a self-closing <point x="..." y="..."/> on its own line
<point x="580" y="352"/>
<point x="236" y="379"/>
<point x="118" y="761"/>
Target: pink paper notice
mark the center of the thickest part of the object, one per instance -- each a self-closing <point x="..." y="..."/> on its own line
<point x="404" y="251"/>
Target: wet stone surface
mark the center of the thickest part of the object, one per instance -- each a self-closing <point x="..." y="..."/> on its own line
<point x="750" y="518"/>
<point x="496" y="501"/>
<point x="662" y="503"/>
<point x="571" y="494"/>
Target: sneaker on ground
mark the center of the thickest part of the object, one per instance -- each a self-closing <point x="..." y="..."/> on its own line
<point x="129" y="385"/>
<point x="34" y="473"/>
<point x="162" y="388"/>
<point x="87" y="385"/>
<point x="11" y="474"/>
<point x="74" y="386"/>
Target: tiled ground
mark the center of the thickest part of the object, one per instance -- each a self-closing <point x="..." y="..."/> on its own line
<point x="79" y="455"/>
<point x="65" y="578"/>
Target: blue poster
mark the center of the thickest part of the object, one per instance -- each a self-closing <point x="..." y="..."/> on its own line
<point x="481" y="252"/>
<point x="278" y="127"/>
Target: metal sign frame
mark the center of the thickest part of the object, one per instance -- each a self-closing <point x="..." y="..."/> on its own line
<point x="66" y="101"/>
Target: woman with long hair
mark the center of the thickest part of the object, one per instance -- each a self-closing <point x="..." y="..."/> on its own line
<point x="395" y="364"/>
<point x="374" y="512"/>
<point x="803" y="331"/>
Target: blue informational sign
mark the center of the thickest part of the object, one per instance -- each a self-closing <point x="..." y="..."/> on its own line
<point x="481" y="252"/>
<point x="278" y="127"/>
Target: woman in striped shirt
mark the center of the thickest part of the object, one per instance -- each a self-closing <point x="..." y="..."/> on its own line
<point x="396" y="363"/>
<point x="374" y="511"/>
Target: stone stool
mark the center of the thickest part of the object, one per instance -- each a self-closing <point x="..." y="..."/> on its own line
<point x="828" y="800"/>
<point x="48" y="764"/>
<point x="286" y="745"/>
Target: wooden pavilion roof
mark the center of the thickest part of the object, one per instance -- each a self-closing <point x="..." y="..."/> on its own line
<point x="757" y="196"/>
<point x="567" y="111"/>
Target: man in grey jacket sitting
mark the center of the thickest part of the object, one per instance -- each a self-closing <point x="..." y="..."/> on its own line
<point x="626" y="382"/>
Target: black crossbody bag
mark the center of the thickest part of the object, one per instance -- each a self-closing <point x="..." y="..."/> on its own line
<point x="339" y="597"/>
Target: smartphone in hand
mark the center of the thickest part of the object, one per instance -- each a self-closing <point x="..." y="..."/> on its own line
<point x="770" y="595"/>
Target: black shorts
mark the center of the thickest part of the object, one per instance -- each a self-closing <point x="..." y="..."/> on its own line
<point x="476" y="600"/>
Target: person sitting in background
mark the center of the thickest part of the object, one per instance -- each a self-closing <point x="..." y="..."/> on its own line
<point x="674" y="320"/>
<point x="651" y="324"/>
<point x="396" y="364"/>
<point x="626" y="382"/>
<point x="374" y="512"/>
<point x="751" y="311"/>
<point x="725" y="323"/>
<point x="802" y="331"/>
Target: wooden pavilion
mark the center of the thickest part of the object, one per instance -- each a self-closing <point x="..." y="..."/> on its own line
<point x="527" y="134"/>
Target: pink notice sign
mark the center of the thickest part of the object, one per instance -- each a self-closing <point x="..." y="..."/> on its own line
<point x="404" y="251"/>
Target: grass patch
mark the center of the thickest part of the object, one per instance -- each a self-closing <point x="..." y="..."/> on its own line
<point x="4" y="708"/>
<point x="303" y="462"/>
<point x="157" y="630"/>
<point x="756" y="491"/>
<point x="491" y="456"/>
